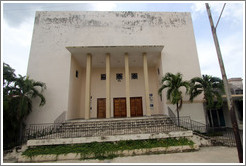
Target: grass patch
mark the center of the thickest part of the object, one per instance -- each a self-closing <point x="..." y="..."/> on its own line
<point x="105" y="150"/>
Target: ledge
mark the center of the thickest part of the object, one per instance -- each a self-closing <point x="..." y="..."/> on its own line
<point x="60" y="141"/>
<point x="74" y="156"/>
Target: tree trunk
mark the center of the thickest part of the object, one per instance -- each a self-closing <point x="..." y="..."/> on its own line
<point x="178" y="113"/>
<point x="20" y="134"/>
<point x="206" y="117"/>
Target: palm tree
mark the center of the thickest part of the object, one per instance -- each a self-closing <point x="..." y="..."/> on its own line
<point x="8" y="74"/>
<point x="174" y="94"/>
<point x="18" y="93"/>
<point x="212" y="87"/>
<point x="10" y="124"/>
<point x="24" y="90"/>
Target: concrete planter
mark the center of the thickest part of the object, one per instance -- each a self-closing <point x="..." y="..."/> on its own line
<point x="74" y="156"/>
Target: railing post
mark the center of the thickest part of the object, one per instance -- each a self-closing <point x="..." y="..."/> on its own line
<point x="190" y="124"/>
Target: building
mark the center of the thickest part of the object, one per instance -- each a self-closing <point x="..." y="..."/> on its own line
<point x="221" y="117"/>
<point x="109" y="64"/>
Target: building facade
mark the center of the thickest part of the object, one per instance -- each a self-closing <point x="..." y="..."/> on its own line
<point x="221" y="117"/>
<point x="110" y="64"/>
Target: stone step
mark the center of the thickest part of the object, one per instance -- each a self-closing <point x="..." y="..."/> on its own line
<point x="118" y="121"/>
<point x="87" y="128"/>
<point x="117" y="124"/>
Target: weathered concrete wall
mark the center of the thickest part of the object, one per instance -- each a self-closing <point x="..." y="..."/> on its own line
<point x="50" y="62"/>
<point x="76" y="91"/>
<point x="194" y="110"/>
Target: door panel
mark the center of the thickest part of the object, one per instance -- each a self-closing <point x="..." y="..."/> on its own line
<point x="101" y="108"/>
<point x="136" y="106"/>
<point x="119" y="107"/>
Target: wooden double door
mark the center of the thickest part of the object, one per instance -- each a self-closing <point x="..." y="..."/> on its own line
<point x="120" y="107"/>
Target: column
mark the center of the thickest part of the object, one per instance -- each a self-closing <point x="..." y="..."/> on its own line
<point x="128" y="111"/>
<point x="146" y="84"/>
<point x="88" y="86"/>
<point x="218" y="117"/>
<point x="108" y="93"/>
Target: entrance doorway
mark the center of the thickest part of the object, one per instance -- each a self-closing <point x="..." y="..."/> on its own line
<point x="136" y="106"/>
<point x="119" y="107"/>
<point x="101" y="108"/>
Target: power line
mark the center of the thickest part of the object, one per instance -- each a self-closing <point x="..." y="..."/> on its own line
<point x="220" y="15"/>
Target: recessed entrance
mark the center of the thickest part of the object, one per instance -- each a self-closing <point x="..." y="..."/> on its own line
<point x="119" y="107"/>
<point x="136" y="106"/>
<point x="101" y="108"/>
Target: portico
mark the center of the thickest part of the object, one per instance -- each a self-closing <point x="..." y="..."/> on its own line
<point x="114" y="81"/>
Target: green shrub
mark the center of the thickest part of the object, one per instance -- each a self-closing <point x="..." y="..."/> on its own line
<point x="103" y="150"/>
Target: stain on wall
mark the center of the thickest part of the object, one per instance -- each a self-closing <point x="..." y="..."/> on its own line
<point x="129" y="22"/>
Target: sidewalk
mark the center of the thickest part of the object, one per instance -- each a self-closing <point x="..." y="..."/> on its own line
<point x="214" y="154"/>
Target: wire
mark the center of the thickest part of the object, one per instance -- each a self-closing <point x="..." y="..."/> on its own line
<point x="220" y="15"/>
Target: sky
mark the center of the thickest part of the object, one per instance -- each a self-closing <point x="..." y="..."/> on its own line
<point x="18" y="19"/>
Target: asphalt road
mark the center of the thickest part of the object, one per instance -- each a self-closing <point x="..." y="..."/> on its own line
<point x="214" y="154"/>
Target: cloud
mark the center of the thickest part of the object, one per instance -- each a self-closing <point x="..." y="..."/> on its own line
<point x="17" y="13"/>
<point x="233" y="11"/>
<point x="208" y="58"/>
<point x="232" y="55"/>
<point x="104" y="6"/>
<point x="16" y="43"/>
<point x="230" y="36"/>
<point x="198" y="7"/>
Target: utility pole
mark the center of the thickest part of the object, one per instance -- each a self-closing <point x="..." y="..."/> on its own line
<point x="227" y="90"/>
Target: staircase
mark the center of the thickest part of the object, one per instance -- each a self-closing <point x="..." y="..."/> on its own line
<point x="103" y="127"/>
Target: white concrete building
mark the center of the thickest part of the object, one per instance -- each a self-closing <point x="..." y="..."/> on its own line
<point x="109" y="64"/>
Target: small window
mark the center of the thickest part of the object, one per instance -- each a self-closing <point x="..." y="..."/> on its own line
<point x="77" y="74"/>
<point x="103" y="76"/>
<point x="134" y="76"/>
<point x="119" y="77"/>
<point x="158" y="71"/>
